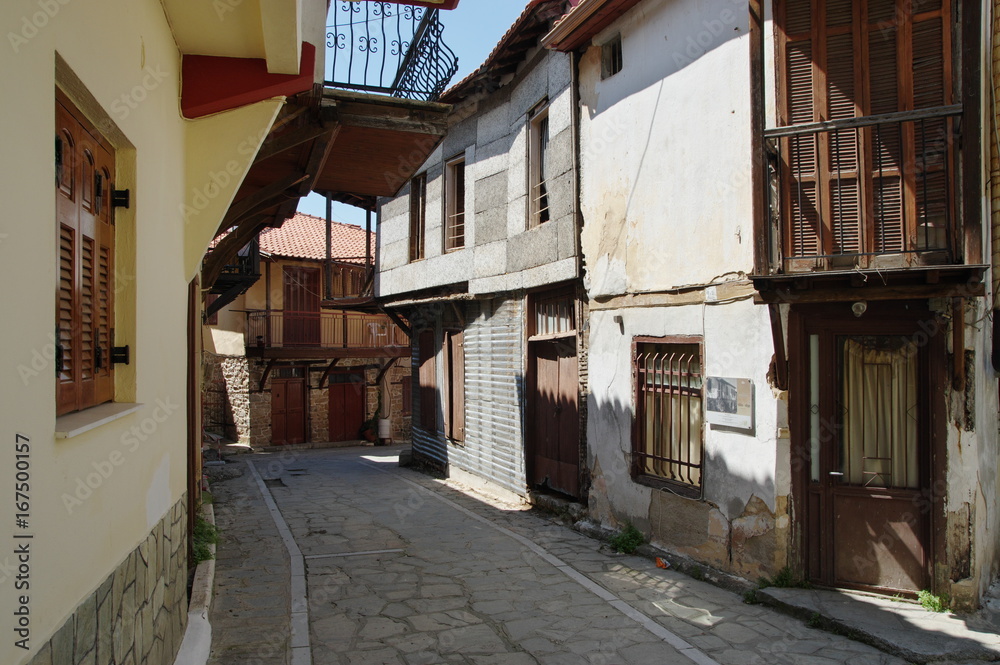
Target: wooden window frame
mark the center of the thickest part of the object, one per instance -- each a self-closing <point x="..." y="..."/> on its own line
<point x="612" y="57"/>
<point x="639" y="474"/>
<point x="85" y="296"/>
<point x="418" y="217"/>
<point x="815" y="230"/>
<point x="454" y="203"/>
<point x="539" y="197"/>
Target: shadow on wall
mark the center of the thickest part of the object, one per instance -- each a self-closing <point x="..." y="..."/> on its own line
<point x="731" y="526"/>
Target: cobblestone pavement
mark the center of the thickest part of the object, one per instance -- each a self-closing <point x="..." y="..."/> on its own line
<point x="404" y="569"/>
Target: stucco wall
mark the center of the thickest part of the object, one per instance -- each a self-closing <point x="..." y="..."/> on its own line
<point x="105" y="490"/>
<point x="500" y="253"/>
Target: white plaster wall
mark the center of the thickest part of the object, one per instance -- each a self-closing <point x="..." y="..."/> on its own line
<point x="677" y="114"/>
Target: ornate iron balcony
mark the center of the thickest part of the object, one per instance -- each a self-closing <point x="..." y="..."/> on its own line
<point x="388" y="48"/>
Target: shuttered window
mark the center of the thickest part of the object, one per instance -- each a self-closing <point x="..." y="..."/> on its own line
<point x="418" y="216"/>
<point x="427" y="381"/>
<point x="885" y="187"/>
<point x="454" y="407"/>
<point x="84" y="326"/>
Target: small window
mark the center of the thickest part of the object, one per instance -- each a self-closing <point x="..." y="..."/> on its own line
<point x="290" y="373"/>
<point x="668" y="437"/>
<point x="418" y="216"/>
<point x="538" y="170"/>
<point x="406" y="385"/>
<point x="611" y="57"/>
<point x="553" y="315"/>
<point x="454" y="220"/>
<point x="212" y="320"/>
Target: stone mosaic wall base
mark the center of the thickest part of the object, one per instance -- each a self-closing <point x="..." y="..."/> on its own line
<point x="138" y="615"/>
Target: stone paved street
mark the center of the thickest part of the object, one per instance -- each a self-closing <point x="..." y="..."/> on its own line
<point x="406" y="569"/>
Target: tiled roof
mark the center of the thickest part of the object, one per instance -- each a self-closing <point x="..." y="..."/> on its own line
<point x="303" y="237"/>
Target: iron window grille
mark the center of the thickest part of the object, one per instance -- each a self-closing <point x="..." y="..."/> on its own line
<point x="538" y="176"/>
<point x="612" y="59"/>
<point x="668" y="432"/>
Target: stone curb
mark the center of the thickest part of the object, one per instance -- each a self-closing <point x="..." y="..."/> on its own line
<point x="197" y="644"/>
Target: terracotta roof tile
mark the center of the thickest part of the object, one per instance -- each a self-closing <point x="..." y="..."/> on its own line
<point x="303" y="237"/>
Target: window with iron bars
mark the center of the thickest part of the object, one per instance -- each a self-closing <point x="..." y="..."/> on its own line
<point x="668" y="439"/>
<point x="538" y="147"/>
<point x="454" y="214"/>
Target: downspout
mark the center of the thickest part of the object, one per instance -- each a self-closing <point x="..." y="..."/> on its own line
<point x="368" y="244"/>
<point x="575" y="129"/>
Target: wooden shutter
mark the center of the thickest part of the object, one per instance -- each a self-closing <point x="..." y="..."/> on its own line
<point x="858" y="191"/>
<point x="85" y="262"/>
<point x="455" y="411"/>
<point x="427" y="381"/>
<point x="418" y="216"/>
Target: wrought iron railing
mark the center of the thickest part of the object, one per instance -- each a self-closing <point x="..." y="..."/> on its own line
<point x="865" y="192"/>
<point x="321" y="330"/>
<point x="388" y="48"/>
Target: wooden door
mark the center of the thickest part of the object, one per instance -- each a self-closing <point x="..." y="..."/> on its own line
<point x="347" y="405"/>
<point x="866" y="432"/>
<point x="288" y="413"/>
<point x="553" y="454"/>
<point x="301" y="309"/>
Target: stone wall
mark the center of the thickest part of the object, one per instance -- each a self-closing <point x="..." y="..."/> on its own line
<point x="319" y="412"/>
<point x="137" y="616"/>
<point x="260" y="408"/>
<point x="226" y="396"/>
<point x="393" y="387"/>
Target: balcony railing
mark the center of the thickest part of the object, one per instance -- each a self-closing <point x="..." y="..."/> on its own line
<point x="388" y="48"/>
<point x="870" y="192"/>
<point x="322" y="330"/>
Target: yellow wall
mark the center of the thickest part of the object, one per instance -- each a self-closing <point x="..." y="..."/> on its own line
<point x="122" y="68"/>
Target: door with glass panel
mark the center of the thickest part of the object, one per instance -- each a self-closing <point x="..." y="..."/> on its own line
<point x="867" y="452"/>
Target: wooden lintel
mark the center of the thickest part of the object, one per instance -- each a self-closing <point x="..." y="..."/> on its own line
<point x="318" y="157"/>
<point x="265" y="375"/>
<point x="411" y="125"/>
<point x="846" y="294"/>
<point x="319" y="355"/>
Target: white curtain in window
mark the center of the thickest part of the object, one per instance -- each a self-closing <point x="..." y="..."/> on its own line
<point x="880" y="412"/>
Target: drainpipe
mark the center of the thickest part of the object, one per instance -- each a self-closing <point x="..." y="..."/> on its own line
<point x="368" y="243"/>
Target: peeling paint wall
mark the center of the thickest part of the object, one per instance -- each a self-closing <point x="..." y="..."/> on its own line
<point x="666" y="200"/>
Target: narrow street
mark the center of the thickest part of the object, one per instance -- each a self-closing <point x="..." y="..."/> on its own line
<point x="403" y="568"/>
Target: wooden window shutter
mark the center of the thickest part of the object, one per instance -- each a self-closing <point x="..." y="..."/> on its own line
<point x="427" y="381"/>
<point x="455" y="411"/>
<point x="85" y="293"/>
<point x="863" y="191"/>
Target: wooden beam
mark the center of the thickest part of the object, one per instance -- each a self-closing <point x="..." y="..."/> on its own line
<point x="972" y="187"/>
<point x="958" y="344"/>
<point x="265" y="375"/>
<point x="279" y="144"/>
<point x="385" y="370"/>
<point x="263" y="198"/>
<point x="326" y="373"/>
<point x="227" y="248"/>
<point x="433" y="128"/>
<point x="398" y="320"/>
<point x="780" y="357"/>
<point x="758" y="153"/>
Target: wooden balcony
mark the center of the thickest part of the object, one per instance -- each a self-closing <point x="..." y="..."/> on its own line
<point x="327" y="334"/>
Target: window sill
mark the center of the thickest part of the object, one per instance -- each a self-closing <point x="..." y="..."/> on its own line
<point x="683" y="491"/>
<point x="75" y="424"/>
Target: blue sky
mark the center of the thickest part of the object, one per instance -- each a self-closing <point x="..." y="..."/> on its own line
<point x="471" y="30"/>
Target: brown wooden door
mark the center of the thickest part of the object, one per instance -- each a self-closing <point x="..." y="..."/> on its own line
<point x="553" y="416"/>
<point x="866" y="435"/>
<point x="347" y="406"/>
<point x="301" y="309"/>
<point x="288" y="413"/>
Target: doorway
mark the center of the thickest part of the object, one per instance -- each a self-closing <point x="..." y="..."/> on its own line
<point x="864" y="391"/>
<point x="347" y="405"/>
<point x="288" y="407"/>
<point x="301" y="307"/>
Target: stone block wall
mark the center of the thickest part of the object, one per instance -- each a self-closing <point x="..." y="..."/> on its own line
<point x="319" y="412"/>
<point x="137" y="616"/>
<point x="226" y="396"/>
<point x="259" y="408"/>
